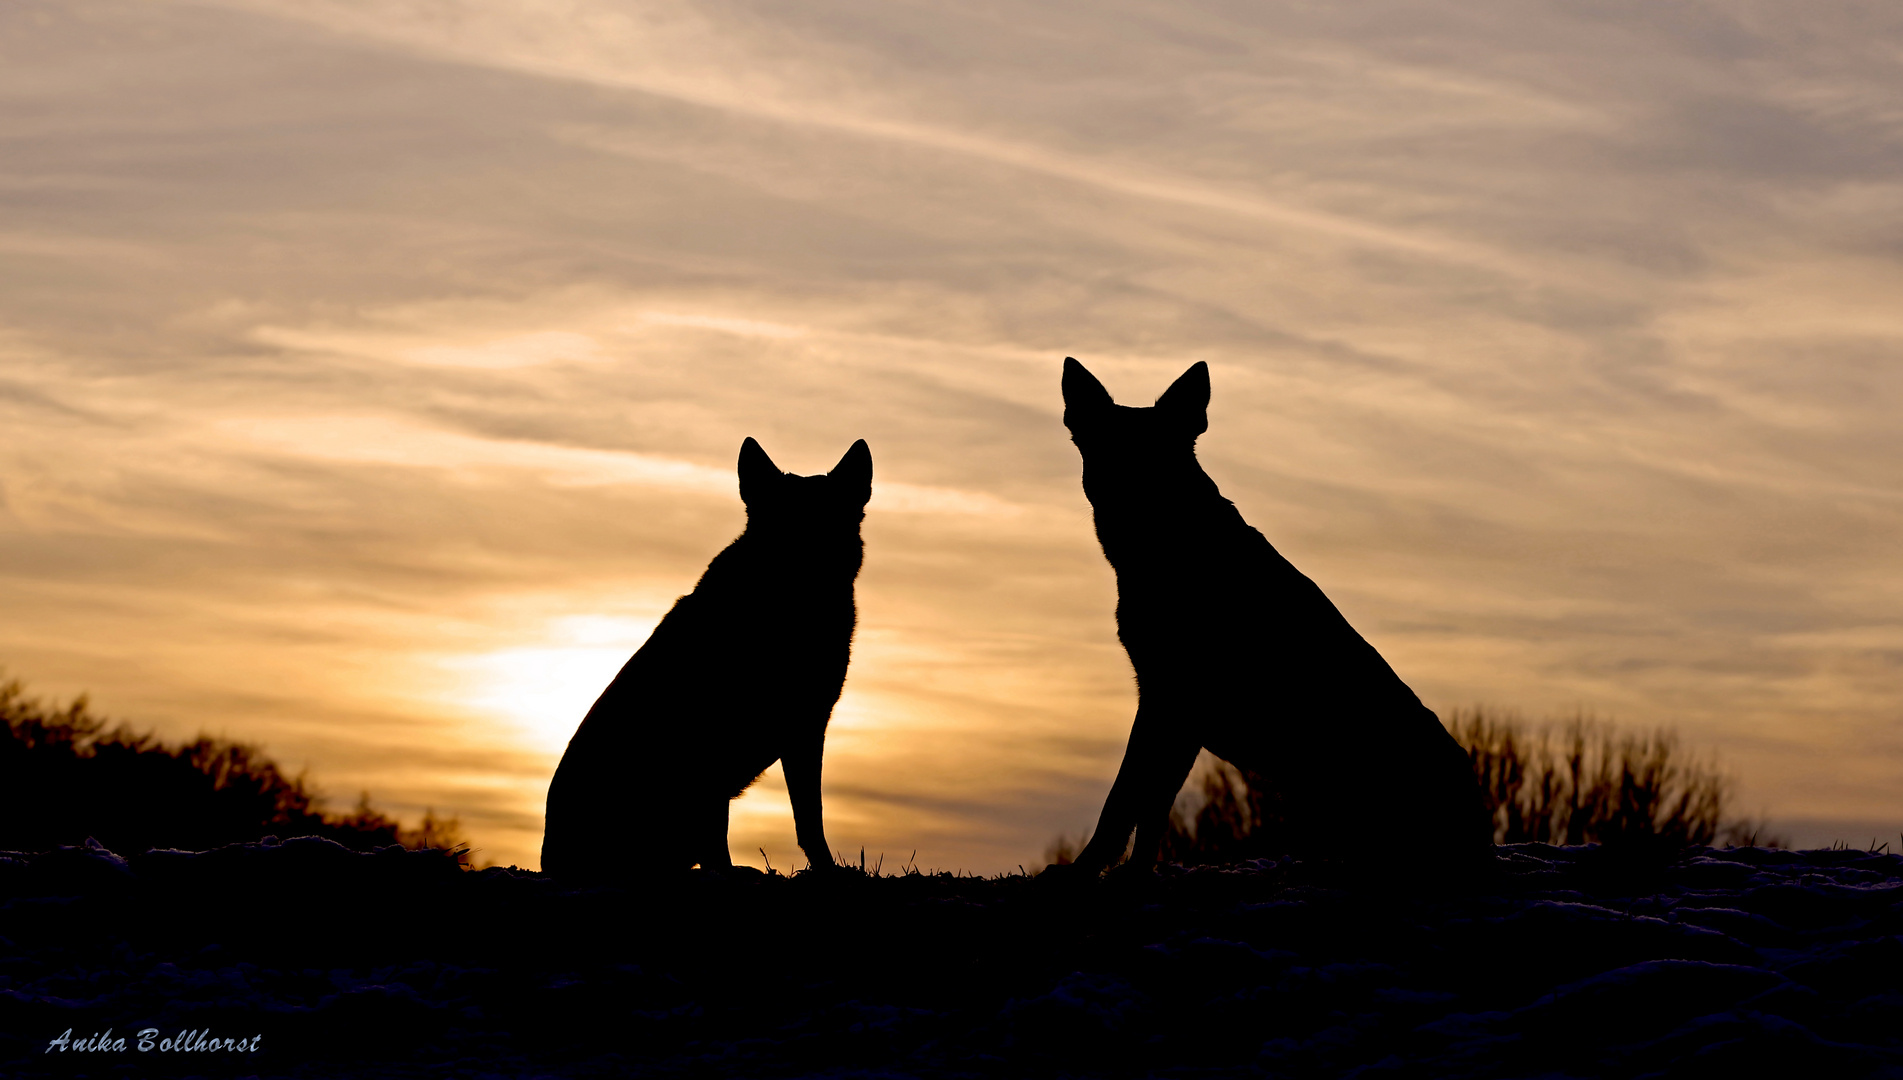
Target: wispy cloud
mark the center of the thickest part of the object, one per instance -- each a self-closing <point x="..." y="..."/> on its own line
<point x="356" y="358"/>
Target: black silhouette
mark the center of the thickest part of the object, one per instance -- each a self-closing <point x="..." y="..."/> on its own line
<point x="1572" y="781"/>
<point x="743" y="672"/>
<point x="1235" y="650"/>
<point x="1583" y="781"/>
<point x="66" y="776"/>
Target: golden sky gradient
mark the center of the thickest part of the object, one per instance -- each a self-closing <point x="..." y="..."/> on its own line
<point x="372" y="371"/>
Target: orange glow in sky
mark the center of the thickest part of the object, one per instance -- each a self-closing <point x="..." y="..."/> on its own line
<point x="372" y="375"/>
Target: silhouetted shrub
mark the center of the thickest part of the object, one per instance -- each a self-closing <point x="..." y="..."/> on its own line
<point x="66" y="776"/>
<point x="1575" y="781"/>
<point x="1240" y="817"/>
<point x="1581" y="781"/>
<point x="1063" y="850"/>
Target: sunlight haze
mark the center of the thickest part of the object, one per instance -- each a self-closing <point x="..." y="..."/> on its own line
<point x="372" y="373"/>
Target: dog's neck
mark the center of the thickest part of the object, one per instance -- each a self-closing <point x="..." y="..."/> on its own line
<point x="1166" y="517"/>
<point x="824" y="566"/>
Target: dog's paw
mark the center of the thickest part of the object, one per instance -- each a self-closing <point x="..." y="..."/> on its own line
<point x="1066" y="876"/>
<point x="737" y="872"/>
<point x="1131" y="875"/>
<point x="828" y="869"/>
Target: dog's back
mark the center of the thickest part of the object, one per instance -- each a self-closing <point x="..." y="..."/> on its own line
<point x="743" y="671"/>
<point x="1237" y="651"/>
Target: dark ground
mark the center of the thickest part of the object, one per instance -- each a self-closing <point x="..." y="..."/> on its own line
<point x="1569" y="962"/>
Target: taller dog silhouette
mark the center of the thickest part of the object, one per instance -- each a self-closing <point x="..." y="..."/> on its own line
<point x="742" y="672"/>
<point x="1236" y="651"/>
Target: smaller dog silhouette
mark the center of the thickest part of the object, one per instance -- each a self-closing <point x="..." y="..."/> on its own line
<point x="742" y="672"/>
<point x="1237" y="652"/>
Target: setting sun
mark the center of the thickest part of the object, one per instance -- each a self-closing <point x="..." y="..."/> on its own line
<point x="372" y="377"/>
<point x="542" y="691"/>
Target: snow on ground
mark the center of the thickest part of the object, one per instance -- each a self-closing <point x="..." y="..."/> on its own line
<point x="1563" y="962"/>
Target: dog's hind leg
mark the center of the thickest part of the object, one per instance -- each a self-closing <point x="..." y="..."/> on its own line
<point x="709" y="839"/>
<point x="1155" y="764"/>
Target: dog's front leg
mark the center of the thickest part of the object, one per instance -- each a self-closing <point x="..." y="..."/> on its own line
<point x="711" y="838"/>
<point x="801" y="763"/>
<point x="1155" y="764"/>
<point x="1153" y="807"/>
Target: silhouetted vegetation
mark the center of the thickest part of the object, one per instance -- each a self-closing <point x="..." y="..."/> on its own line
<point x="66" y="775"/>
<point x="1240" y="818"/>
<point x="1582" y="781"/>
<point x="1573" y="781"/>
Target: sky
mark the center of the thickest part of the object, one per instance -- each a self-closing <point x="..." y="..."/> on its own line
<point x="372" y="372"/>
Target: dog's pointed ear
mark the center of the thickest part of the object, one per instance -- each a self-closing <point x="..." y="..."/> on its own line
<point x="1187" y="399"/>
<point x="854" y="472"/>
<point x="758" y="475"/>
<point x="1082" y="391"/>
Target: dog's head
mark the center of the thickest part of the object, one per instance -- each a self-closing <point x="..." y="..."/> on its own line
<point x="1131" y="448"/>
<point x="805" y="507"/>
